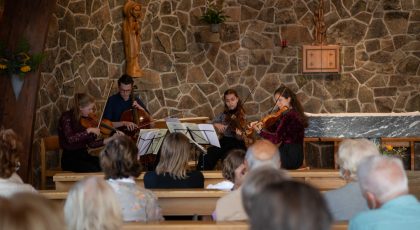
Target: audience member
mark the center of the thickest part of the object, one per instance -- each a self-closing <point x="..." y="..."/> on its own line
<point x="172" y="169"/>
<point x="256" y="181"/>
<point x="347" y="201"/>
<point x="25" y="210"/>
<point x="385" y="186"/>
<point x="289" y="205"/>
<point x="120" y="165"/>
<point x="92" y="204"/>
<point x="10" y="149"/>
<point x="261" y="153"/>
<point x="232" y="164"/>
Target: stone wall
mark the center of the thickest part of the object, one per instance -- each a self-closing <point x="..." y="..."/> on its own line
<point x="187" y="68"/>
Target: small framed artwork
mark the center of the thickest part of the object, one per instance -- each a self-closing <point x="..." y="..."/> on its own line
<point x="321" y="58"/>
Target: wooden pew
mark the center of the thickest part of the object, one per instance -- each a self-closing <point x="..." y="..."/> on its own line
<point x="161" y="123"/>
<point x="323" y="179"/>
<point x="174" y="202"/>
<point x="204" y="225"/>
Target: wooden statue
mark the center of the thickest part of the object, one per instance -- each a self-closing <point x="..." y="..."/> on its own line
<point x="320" y="30"/>
<point x="131" y="36"/>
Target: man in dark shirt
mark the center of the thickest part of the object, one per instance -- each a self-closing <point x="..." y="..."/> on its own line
<point x="120" y="102"/>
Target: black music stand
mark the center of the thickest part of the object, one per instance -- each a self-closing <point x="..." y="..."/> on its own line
<point x="149" y="141"/>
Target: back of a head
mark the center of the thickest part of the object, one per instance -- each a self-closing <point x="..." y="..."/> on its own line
<point x="256" y="180"/>
<point x="383" y="176"/>
<point x="352" y="151"/>
<point x="10" y="148"/>
<point x="92" y="204"/>
<point x="174" y="156"/>
<point x="119" y="158"/>
<point x="232" y="161"/>
<point x="262" y="153"/>
<point x="290" y="205"/>
<point x="30" y="211"/>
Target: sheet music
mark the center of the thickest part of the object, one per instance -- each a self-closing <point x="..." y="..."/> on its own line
<point x="150" y="140"/>
<point x="199" y="133"/>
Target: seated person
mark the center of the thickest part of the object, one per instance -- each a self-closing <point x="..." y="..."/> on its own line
<point x="288" y="205"/>
<point x="120" y="102"/>
<point x="92" y="204"/>
<point x="350" y="153"/>
<point x="30" y="211"/>
<point x="385" y="187"/>
<point x="10" y="149"/>
<point x="232" y="164"/>
<point x="75" y="139"/>
<point x="120" y="165"/>
<point x="262" y="153"/>
<point x="172" y="169"/>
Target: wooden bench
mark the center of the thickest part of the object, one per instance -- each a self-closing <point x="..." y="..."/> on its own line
<point x="323" y="179"/>
<point x="204" y="225"/>
<point x="174" y="202"/>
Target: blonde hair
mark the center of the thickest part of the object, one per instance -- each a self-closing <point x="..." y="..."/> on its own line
<point x="351" y="152"/>
<point x="174" y="156"/>
<point x="10" y="148"/>
<point x="92" y="204"/>
<point x="30" y="211"/>
<point x="81" y="100"/>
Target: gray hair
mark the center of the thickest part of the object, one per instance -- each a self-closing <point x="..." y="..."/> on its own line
<point x="92" y="204"/>
<point x="382" y="176"/>
<point x="258" y="179"/>
<point x="351" y="152"/>
<point x="262" y="148"/>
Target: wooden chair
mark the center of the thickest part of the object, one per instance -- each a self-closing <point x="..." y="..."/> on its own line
<point x="50" y="143"/>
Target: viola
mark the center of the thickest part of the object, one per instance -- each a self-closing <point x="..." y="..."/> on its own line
<point x="92" y="121"/>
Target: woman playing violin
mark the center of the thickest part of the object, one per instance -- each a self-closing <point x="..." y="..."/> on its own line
<point x="229" y="124"/>
<point x="76" y="138"/>
<point x="118" y="103"/>
<point x="288" y="130"/>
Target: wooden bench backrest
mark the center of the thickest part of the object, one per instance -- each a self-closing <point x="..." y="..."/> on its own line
<point x="324" y="179"/>
<point x="204" y="225"/>
<point x="173" y="202"/>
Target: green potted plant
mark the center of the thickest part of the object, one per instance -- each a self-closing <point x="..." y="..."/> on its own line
<point x="214" y="17"/>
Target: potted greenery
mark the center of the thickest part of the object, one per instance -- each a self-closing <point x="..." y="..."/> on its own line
<point x="214" y="17"/>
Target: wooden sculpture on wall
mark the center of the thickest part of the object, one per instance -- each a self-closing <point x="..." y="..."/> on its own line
<point x="131" y="36"/>
<point x="320" y="30"/>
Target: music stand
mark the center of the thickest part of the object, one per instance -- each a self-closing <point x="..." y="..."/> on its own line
<point x="197" y="133"/>
<point x="149" y="141"/>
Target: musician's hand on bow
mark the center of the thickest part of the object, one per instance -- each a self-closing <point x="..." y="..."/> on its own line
<point x="130" y="125"/>
<point x="238" y="132"/>
<point x="256" y="125"/>
<point x="220" y="127"/>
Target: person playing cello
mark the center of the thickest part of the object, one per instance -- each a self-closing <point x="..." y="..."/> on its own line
<point x="288" y="129"/>
<point x="77" y="131"/>
<point x="120" y="102"/>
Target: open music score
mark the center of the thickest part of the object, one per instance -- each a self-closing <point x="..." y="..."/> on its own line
<point x="150" y="140"/>
<point x="198" y="133"/>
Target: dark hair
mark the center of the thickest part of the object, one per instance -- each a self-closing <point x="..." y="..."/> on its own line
<point x="237" y="121"/>
<point x="274" y="208"/>
<point x="119" y="158"/>
<point x="126" y="80"/>
<point x="10" y="148"/>
<point x="294" y="102"/>
<point x="233" y="160"/>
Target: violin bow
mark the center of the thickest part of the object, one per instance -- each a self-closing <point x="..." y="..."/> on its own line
<point x="107" y="97"/>
<point x="275" y="103"/>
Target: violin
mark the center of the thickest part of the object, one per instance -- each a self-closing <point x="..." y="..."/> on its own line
<point x="269" y="120"/>
<point x="92" y="121"/>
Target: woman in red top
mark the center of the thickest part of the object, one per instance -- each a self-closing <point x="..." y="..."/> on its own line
<point x="288" y="130"/>
<point x="75" y="139"/>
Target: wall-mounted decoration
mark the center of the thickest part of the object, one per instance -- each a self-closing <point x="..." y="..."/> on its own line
<point x="131" y="35"/>
<point x="321" y="58"/>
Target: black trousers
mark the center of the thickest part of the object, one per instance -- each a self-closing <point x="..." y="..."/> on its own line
<point x="208" y="161"/>
<point x="79" y="161"/>
<point x="291" y="156"/>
